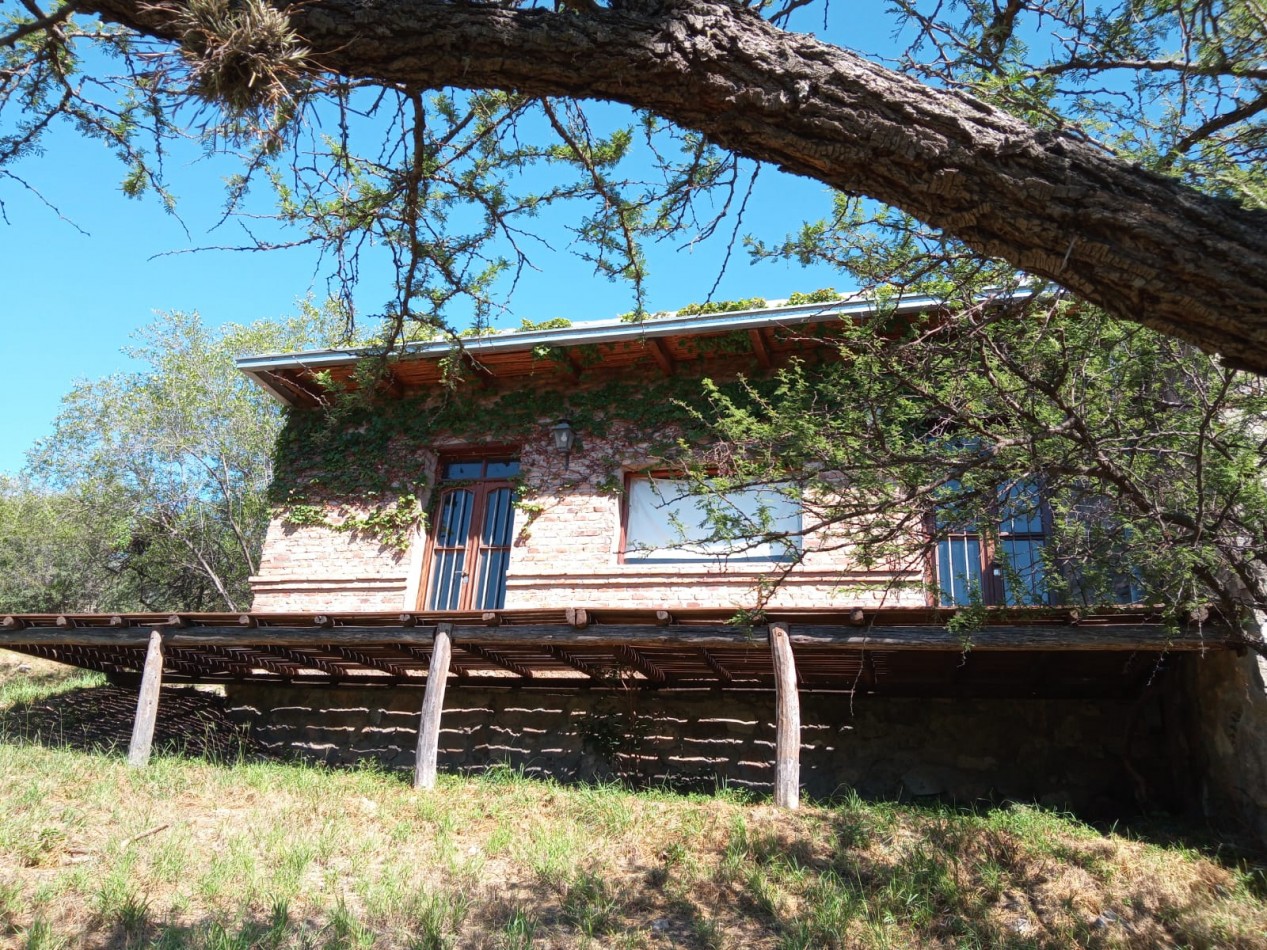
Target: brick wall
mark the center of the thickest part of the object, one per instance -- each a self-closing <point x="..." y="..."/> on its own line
<point x="566" y="549"/>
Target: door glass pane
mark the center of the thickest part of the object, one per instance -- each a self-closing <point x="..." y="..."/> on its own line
<point x="495" y="538"/>
<point x="449" y="551"/>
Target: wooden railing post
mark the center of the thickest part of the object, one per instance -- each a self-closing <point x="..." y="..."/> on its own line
<point x="787" y="721"/>
<point x="432" y="706"/>
<point x="147" y="703"/>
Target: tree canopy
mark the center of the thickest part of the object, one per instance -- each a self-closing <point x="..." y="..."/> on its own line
<point x="1115" y="151"/>
<point x="151" y="492"/>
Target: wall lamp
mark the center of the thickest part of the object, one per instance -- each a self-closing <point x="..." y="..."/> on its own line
<point x="564" y="437"/>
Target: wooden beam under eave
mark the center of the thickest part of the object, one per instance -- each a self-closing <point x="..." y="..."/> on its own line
<point x="425" y="761"/>
<point x="300" y="389"/>
<point x="663" y="358"/>
<point x="787" y="720"/>
<point x="147" y="703"/>
<point x="389" y="383"/>
<point x="761" y="347"/>
<point x="478" y="369"/>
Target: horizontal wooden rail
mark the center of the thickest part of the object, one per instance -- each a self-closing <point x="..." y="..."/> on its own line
<point x="916" y="637"/>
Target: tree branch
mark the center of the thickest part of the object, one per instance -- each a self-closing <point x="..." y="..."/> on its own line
<point x="1142" y="246"/>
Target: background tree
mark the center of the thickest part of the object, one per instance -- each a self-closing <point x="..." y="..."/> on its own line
<point x="1116" y="151"/>
<point x="150" y="493"/>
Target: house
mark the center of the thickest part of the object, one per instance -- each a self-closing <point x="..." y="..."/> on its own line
<point x="548" y="466"/>
<point x="488" y="554"/>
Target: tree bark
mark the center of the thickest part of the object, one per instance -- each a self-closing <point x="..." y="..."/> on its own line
<point x="1143" y="247"/>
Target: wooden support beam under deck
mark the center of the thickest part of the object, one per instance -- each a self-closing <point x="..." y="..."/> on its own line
<point x="632" y="657"/>
<point x="787" y="720"/>
<point x="581" y="630"/>
<point x="432" y="707"/>
<point x="147" y="703"/>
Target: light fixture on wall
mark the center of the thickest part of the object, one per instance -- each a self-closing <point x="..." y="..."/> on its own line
<point x="564" y="437"/>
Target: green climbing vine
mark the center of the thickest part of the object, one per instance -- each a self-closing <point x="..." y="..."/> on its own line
<point x="358" y="464"/>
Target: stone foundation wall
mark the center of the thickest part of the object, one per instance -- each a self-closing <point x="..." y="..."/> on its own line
<point x="1225" y="716"/>
<point x="1072" y="753"/>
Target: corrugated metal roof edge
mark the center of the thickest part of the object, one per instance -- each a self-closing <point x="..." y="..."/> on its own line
<point x="599" y="332"/>
<point x="602" y="332"/>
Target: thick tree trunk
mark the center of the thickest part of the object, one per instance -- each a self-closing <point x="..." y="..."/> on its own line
<point x="1141" y="246"/>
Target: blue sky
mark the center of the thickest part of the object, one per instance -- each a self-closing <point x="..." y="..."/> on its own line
<point x="76" y="287"/>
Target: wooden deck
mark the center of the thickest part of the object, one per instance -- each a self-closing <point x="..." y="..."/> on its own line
<point x="1015" y="653"/>
<point x="906" y="652"/>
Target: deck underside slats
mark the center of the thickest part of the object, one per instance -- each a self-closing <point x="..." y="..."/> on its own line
<point x="895" y="652"/>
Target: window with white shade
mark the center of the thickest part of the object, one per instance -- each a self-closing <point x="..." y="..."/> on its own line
<point x="667" y="520"/>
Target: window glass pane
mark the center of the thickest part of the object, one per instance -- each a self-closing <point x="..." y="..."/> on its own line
<point x="462" y="471"/>
<point x="1021" y="509"/>
<point x="501" y="468"/>
<point x="667" y="524"/>
<point x="948" y="518"/>
<point x="958" y="571"/>
<point x="1021" y="564"/>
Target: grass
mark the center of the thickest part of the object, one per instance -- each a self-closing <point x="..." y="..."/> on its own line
<point x="251" y="853"/>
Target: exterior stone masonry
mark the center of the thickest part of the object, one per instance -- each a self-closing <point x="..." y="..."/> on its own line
<point x="1100" y="757"/>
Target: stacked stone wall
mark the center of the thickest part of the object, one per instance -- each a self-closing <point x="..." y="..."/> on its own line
<point x="1100" y="757"/>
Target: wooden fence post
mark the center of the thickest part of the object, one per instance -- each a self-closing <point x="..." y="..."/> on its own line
<point x="432" y="706"/>
<point x="147" y="703"/>
<point x="787" y="721"/>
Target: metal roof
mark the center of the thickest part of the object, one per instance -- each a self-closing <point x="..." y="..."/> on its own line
<point x="607" y="331"/>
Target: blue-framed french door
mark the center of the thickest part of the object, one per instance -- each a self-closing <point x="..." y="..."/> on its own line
<point x="472" y="534"/>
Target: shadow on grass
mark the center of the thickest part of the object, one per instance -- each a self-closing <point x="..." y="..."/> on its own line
<point x="193" y="723"/>
<point x="1018" y="877"/>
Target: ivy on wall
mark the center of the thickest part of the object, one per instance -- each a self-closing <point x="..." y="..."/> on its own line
<point x="357" y="465"/>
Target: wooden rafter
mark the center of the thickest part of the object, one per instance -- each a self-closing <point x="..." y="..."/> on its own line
<point x="663" y="358"/>
<point x="492" y="656"/>
<point x="373" y="662"/>
<point x="577" y="664"/>
<point x="255" y="657"/>
<point x="632" y="657"/>
<point x="307" y="661"/>
<point x="761" y="348"/>
<point x="714" y="664"/>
